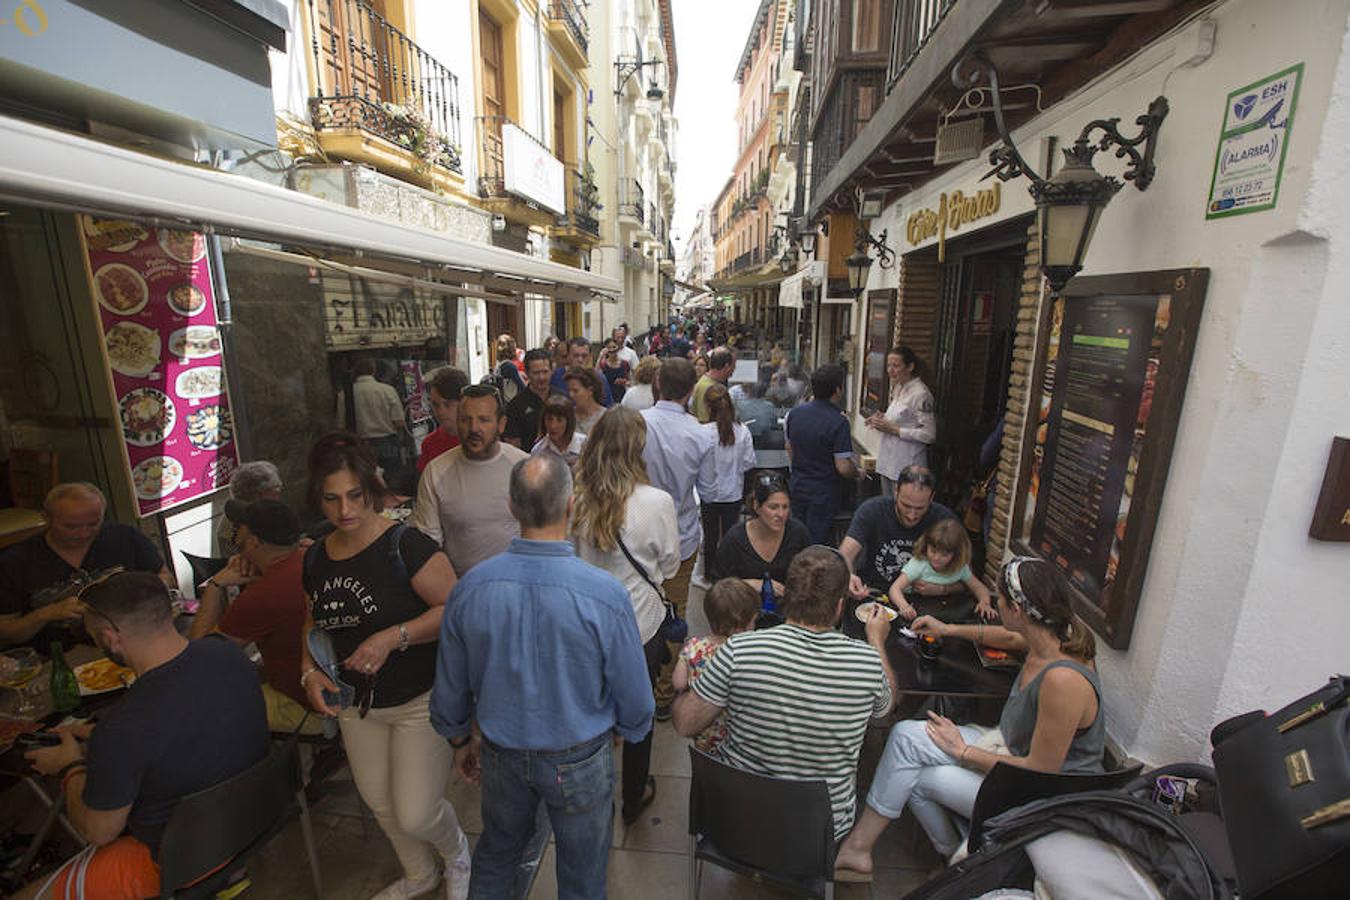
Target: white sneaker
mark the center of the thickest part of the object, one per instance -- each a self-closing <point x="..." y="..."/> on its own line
<point x="457" y="872"/>
<point x="403" y="889"/>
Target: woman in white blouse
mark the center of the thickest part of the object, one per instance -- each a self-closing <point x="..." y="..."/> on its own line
<point x="908" y="425"/>
<point x="733" y="456"/>
<point x="628" y="528"/>
<point x="558" y="422"/>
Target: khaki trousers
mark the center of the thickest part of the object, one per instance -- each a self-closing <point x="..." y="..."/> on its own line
<point x="677" y="592"/>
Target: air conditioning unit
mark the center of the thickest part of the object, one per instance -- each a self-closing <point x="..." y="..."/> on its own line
<point x="959" y="141"/>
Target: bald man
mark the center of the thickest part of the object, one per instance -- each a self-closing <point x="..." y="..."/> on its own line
<point x="40" y="578"/>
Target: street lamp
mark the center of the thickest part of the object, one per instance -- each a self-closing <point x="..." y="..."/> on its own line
<point x="860" y="262"/>
<point x="1069" y="205"/>
<point x="625" y="69"/>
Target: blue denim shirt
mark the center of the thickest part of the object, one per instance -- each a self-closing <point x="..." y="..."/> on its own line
<point x="543" y="650"/>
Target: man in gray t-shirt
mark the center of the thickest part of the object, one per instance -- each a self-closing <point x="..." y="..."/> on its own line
<point x="463" y="498"/>
<point x="883" y="532"/>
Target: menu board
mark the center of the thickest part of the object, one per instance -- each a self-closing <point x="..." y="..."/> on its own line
<point x="156" y="305"/>
<point x="1096" y="398"/>
<point x="1103" y="410"/>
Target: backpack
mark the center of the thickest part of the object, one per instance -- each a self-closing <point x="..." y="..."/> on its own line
<point x="507" y="387"/>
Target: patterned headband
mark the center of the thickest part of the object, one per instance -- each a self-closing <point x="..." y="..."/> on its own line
<point x="1019" y="596"/>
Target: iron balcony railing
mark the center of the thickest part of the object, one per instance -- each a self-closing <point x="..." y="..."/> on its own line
<point x="371" y="76"/>
<point x="583" y="201"/>
<point x="912" y="23"/>
<point x="570" y="14"/>
<point x="632" y="203"/>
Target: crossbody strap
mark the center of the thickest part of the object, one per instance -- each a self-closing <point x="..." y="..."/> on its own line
<point x="641" y="570"/>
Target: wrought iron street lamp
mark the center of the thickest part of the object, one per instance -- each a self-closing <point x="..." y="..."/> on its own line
<point x="860" y="262"/>
<point x="1069" y="204"/>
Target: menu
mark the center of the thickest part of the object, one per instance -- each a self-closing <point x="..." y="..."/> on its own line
<point x="1096" y="400"/>
<point x="156" y="305"/>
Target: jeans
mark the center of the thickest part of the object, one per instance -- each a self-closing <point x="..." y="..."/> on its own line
<point x="817" y="514"/>
<point x="914" y="771"/>
<point x="718" y="519"/>
<point x="576" y="786"/>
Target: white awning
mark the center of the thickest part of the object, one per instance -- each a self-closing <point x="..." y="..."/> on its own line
<point x="41" y="166"/>
<point x="790" y="289"/>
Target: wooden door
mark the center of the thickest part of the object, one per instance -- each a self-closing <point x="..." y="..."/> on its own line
<point x="560" y="126"/>
<point x="494" y="97"/>
<point x="353" y="49"/>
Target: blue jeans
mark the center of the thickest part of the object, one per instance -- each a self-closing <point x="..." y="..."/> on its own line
<point x="817" y="514"/>
<point x="576" y="787"/>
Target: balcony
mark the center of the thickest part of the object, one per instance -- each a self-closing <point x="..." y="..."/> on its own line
<point x="579" y="226"/>
<point x="569" y="31"/>
<point x="380" y="98"/>
<point x="632" y="202"/>
<point x="913" y="24"/>
<point x="492" y="175"/>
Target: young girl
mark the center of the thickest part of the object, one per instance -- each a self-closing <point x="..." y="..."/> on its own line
<point x="731" y="606"/>
<point x="733" y="456"/>
<point x="941" y="557"/>
<point x="558" y="424"/>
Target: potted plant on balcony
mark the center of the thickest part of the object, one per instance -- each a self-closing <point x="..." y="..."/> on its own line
<point x="409" y="128"/>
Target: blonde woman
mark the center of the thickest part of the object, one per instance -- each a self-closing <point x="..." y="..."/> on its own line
<point x="628" y="528"/>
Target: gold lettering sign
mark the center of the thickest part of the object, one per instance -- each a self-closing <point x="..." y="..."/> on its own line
<point x="954" y="210"/>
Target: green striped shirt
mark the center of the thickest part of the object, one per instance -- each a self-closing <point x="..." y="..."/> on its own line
<point x="798" y="703"/>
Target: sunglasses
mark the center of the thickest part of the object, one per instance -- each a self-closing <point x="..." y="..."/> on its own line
<point x="365" y="694"/>
<point x="480" y="390"/>
<point x="97" y="582"/>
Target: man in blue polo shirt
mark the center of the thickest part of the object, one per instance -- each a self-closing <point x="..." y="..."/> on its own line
<point x="820" y="447"/>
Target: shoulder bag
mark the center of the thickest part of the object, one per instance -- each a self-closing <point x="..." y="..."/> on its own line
<point x="674" y="628"/>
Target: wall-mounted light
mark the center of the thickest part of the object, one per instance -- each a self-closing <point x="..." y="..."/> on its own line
<point x="1069" y="204"/>
<point x="625" y="69"/>
<point x="870" y="204"/>
<point x="860" y="263"/>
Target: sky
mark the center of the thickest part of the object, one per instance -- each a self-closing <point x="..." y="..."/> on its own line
<point x="709" y="38"/>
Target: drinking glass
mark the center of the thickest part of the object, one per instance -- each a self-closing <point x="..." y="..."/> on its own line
<point x="18" y="667"/>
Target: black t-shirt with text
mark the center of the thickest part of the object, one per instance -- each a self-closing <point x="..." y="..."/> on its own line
<point x="190" y="723"/>
<point x="736" y="556"/>
<point x="353" y="598"/>
<point x="886" y="544"/>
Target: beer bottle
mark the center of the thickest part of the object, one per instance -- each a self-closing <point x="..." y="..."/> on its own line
<point x="65" y="687"/>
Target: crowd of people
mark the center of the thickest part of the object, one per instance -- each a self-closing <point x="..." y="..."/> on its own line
<point x="532" y="611"/>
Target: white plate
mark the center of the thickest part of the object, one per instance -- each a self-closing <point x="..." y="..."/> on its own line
<point x="864" y="611"/>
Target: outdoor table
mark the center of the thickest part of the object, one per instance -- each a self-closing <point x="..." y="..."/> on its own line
<point x="957" y="673"/>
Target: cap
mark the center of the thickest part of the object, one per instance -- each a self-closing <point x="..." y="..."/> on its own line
<point x="271" y="521"/>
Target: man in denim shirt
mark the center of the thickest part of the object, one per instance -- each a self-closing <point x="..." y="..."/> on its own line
<point x="543" y="650"/>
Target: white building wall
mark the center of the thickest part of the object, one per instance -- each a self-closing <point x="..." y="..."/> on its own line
<point x="1240" y="609"/>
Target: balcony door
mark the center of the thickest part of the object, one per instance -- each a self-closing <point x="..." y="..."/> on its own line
<point x="353" y="49"/>
<point x="494" y="95"/>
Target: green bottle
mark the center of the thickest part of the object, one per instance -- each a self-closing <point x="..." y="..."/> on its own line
<point x="65" y="688"/>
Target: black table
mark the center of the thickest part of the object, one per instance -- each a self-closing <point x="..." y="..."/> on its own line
<point x="957" y="673"/>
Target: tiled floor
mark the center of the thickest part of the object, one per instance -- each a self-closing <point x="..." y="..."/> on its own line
<point x="649" y="861"/>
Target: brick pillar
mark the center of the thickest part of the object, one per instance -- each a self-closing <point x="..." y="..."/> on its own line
<point x="1001" y="529"/>
<point x="918" y="299"/>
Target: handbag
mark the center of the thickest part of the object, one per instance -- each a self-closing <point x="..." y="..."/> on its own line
<point x="673" y="628"/>
<point x="1284" y="786"/>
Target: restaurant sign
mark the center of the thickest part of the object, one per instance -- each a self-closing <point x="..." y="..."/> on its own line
<point x="953" y="211"/>
<point x="360" y="312"/>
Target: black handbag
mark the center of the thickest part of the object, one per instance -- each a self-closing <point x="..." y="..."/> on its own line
<point x="673" y="628"/>
<point x="1284" y="785"/>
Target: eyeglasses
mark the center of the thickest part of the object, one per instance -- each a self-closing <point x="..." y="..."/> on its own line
<point x="914" y="475"/>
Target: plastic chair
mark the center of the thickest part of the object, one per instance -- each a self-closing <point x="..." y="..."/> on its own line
<point x="1007" y="787"/>
<point x="772" y="829"/>
<point x="213" y="832"/>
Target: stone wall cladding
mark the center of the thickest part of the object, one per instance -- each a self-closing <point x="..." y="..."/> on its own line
<point x="381" y="195"/>
<point x="1001" y="530"/>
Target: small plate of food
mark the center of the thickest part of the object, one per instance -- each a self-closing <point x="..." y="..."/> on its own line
<point x="186" y="299"/>
<point x="148" y="416"/>
<point x="121" y="289"/>
<point x="101" y="676"/>
<point x="156" y="477"/>
<point x="184" y="246"/>
<point x="864" y="611"/>
<point x="133" y="349"/>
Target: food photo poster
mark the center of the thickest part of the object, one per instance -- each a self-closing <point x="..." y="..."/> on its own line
<point x="156" y="307"/>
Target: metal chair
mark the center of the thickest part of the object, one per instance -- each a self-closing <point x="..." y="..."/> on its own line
<point x="214" y="831"/>
<point x="1007" y="787"/>
<point x="774" y="830"/>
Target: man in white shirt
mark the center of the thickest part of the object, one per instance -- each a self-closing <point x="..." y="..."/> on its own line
<point x="626" y="353"/>
<point x="464" y="496"/>
<point x="679" y="458"/>
<point x="379" y="418"/>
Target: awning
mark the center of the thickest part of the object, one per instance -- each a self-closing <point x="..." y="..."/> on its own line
<point x="46" y="167"/>
<point x="790" y="290"/>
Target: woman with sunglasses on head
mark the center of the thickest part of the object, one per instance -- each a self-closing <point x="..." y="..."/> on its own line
<point x="628" y="528"/>
<point x="376" y="593"/>
<point x="764" y="545"/>
<point x="907" y="425"/>
<point x="1052" y="721"/>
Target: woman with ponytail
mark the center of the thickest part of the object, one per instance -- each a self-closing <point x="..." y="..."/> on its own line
<point x="733" y="456"/>
<point x="1052" y="721"/>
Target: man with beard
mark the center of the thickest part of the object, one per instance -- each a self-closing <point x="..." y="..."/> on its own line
<point x="463" y="498"/>
<point x="883" y="532"/>
<point x="193" y="719"/>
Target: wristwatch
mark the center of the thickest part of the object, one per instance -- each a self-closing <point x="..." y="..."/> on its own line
<point x="402" y="637"/>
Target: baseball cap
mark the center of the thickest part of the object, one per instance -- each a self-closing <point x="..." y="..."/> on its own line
<point x="271" y="521"/>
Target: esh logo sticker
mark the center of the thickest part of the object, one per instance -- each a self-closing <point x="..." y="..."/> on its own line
<point x="1252" y="145"/>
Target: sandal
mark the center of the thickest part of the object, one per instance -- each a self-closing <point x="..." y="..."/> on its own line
<point x="851" y="876"/>
<point x="648" y="795"/>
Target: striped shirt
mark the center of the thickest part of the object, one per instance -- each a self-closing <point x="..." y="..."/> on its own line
<point x="797" y="706"/>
